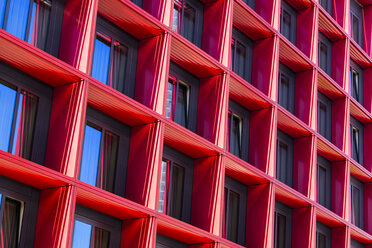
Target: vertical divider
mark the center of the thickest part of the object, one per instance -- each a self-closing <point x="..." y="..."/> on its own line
<point x="66" y="127"/>
<point x="347" y="196"/>
<point x="339" y="186"/>
<point x="341" y="13"/>
<point x="269" y="10"/>
<point x="307" y="32"/>
<point x="303" y="227"/>
<point x="160" y="9"/>
<point x="367" y="86"/>
<point x="367" y="42"/>
<point x="138" y="233"/>
<point x="368" y="207"/>
<point x="367" y="146"/>
<point x="340" y="124"/>
<point x="341" y="61"/>
<point x="340" y="237"/>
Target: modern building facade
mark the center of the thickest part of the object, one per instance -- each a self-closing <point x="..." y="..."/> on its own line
<point x="186" y="123"/>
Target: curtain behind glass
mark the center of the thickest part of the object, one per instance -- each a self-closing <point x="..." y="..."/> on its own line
<point x="177" y="183"/>
<point x="11" y="225"/>
<point x="119" y="66"/>
<point x="108" y="165"/>
<point x="101" y="238"/>
<point x="42" y="23"/>
<point x="233" y="216"/>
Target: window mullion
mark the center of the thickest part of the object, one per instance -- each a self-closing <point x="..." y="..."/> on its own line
<point x="227" y="213"/>
<point x="111" y="64"/>
<point x="100" y="160"/>
<point x="14" y="124"/>
<point x="183" y="4"/>
<point x="28" y="26"/>
<point x="177" y="84"/>
<point x="169" y="186"/>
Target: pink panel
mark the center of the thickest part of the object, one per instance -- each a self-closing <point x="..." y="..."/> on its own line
<point x="152" y="67"/>
<point x="368" y="207"/>
<point x="143" y="163"/>
<point x="340" y="63"/>
<point x="303" y="227"/>
<point x="367" y="146"/>
<point x="262" y="126"/>
<point x="207" y="193"/>
<point x="304" y="160"/>
<point x="340" y="13"/>
<point x="367" y="88"/>
<point x="79" y="22"/>
<point x="340" y="237"/>
<point x="367" y="41"/>
<point x="305" y="91"/>
<point x="306" y="32"/>
<point x="340" y="126"/>
<point x="259" y="226"/>
<point x="265" y="59"/>
<point x="55" y="217"/>
<point x="160" y="9"/>
<point x="268" y="10"/>
<point x="138" y="233"/>
<point x="65" y="128"/>
<point x="339" y="186"/>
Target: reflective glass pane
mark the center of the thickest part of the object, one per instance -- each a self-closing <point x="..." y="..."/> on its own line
<point x="282" y="162"/>
<point x="176" y="191"/>
<point x="322" y="119"/>
<point x="2" y="12"/>
<point x="240" y="59"/>
<point x="285" y="28"/>
<point x="31" y="36"/>
<point x="11" y="224"/>
<point x="355" y="28"/>
<point x="189" y="22"/>
<point x="90" y="156"/>
<point x="233" y="216"/>
<point x="355" y="141"/>
<point x="355" y="84"/>
<point x="323" y="53"/>
<point x="108" y="165"/>
<point x="16" y="23"/>
<point x="284" y="91"/>
<point x="162" y="191"/>
<point x="356" y="206"/>
<point x="177" y="15"/>
<point x="322" y="186"/>
<point x="101" y="59"/>
<point x="169" y="103"/>
<point x="101" y="238"/>
<point x="7" y="104"/>
<point x="235" y="136"/>
<point x="82" y="234"/>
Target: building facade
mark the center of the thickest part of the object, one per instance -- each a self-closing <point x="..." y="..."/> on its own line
<point x="186" y="123"/>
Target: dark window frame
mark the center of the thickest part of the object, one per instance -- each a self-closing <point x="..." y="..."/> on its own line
<point x="356" y="11"/>
<point x="250" y="3"/>
<point x="324" y="230"/>
<point x="100" y="220"/>
<point x="355" y="244"/>
<point x="239" y="37"/>
<point x="354" y="182"/>
<point x="14" y="77"/>
<point x="326" y="165"/>
<point x="323" y="40"/>
<point x="237" y="187"/>
<point x="99" y="119"/>
<point x="287" y="140"/>
<point x="355" y="68"/>
<point x="106" y="28"/>
<point x="358" y="156"/>
<point x="163" y="241"/>
<point x="285" y="72"/>
<point x="285" y="6"/>
<point x="244" y="115"/>
<point x="177" y="73"/>
<point x="285" y="211"/>
<point x="174" y="156"/>
<point x="324" y="101"/>
<point x="137" y="2"/>
<point x="327" y="5"/>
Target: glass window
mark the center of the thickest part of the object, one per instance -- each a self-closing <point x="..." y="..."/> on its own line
<point x="357" y="202"/>
<point x="250" y="3"/>
<point x="241" y="50"/>
<point x="356" y="22"/>
<point x="327" y="5"/>
<point x="284" y="158"/>
<point x="324" y="182"/>
<point x="323" y="236"/>
<point x="355" y="244"/>
<point x="356" y="134"/>
<point x="166" y="242"/>
<point x="176" y="184"/>
<point x="286" y="87"/>
<point x="356" y="80"/>
<point x="283" y="226"/>
<point x="101" y="164"/>
<point x="325" y="54"/>
<point x="235" y="137"/>
<point x="113" y="49"/>
<point x="188" y="19"/>
<point x="288" y="17"/>
<point x="324" y="116"/>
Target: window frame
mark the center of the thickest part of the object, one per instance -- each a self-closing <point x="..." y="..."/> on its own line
<point x="323" y="99"/>
<point x="354" y="182"/>
<point x="355" y="244"/>
<point x="356" y="10"/>
<point x="354" y="123"/>
<point x="245" y="116"/>
<point x="238" y="36"/>
<point x="179" y="74"/>
<point x="284" y="71"/>
<point x="323" y="162"/>
<point x="286" y="211"/>
<point x="325" y="231"/>
<point x="322" y="39"/>
<point x="123" y="131"/>
<point x="329" y="6"/>
<point x="177" y="157"/>
<point x="107" y="28"/>
<point x="355" y="67"/>
<point x="241" y="189"/>
<point x="293" y="15"/>
<point x="288" y="141"/>
<point x="100" y="220"/>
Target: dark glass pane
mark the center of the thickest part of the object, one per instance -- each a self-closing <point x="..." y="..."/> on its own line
<point x="355" y="28"/>
<point x="355" y="141"/>
<point x="233" y="54"/>
<point x="170" y="101"/>
<point x="16" y="23"/>
<point x="101" y="238"/>
<point x="322" y="119"/>
<point x="285" y="28"/>
<point x="108" y="165"/>
<point x="25" y="123"/>
<point x="11" y="224"/>
<point x="182" y="105"/>
<point x="101" y="59"/>
<point x="43" y="21"/>
<point x="280" y="234"/>
<point x="324" y="4"/>
<point x="90" y="156"/>
<point x="284" y="91"/>
<point x="323" y="53"/>
<point x="240" y="59"/>
<point x="189" y="22"/>
<point x="235" y="137"/>
<point x="82" y="234"/>
<point x="233" y="216"/>
<point x="356" y="202"/>
<point x="355" y="84"/>
<point x="177" y="184"/>
<point x="7" y="105"/>
<point x="119" y="65"/>
<point x="282" y="162"/>
<point x="321" y="241"/>
<point x="162" y="191"/>
<point x="322" y="186"/>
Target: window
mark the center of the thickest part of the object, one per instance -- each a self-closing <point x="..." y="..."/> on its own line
<point x="188" y="20"/>
<point x="324" y="182"/>
<point x="357" y="202"/>
<point x="241" y="50"/>
<point x="95" y="229"/>
<point x="105" y="152"/>
<point x="38" y="22"/>
<point x="286" y="87"/>
<point x="250" y="3"/>
<point x="327" y="5"/>
<point x="288" y="17"/>
<point x="284" y="158"/>
<point x="235" y="210"/>
<point x="325" y="54"/>
<point x="355" y="244"/>
<point x="356" y="136"/>
<point x="283" y="226"/>
<point x="138" y="2"/>
<point x="24" y="111"/>
<point x="238" y="123"/>
<point x="114" y="57"/>
<point x="182" y="97"/>
<point x="356" y="22"/>
<point x="324" y="116"/>
<point x="356" y="80"/>
<point x="166" y="242"/>
<point x="18" y="213"/>
<point x="323" y="236"/>
<point x="176" y="184"/>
